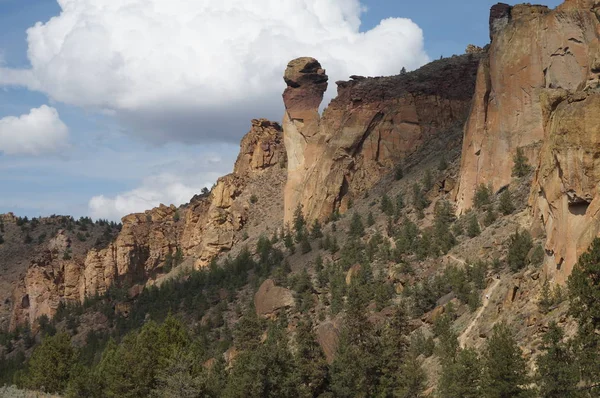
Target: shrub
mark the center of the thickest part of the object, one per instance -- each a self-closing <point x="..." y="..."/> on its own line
<point x="520" y="168"/>
<point x="398" y="173"/>
<point x="253" y="199"/>
<point x="473" y="229"/>
<point x="520" y="244"/>
<point x="483" y="196"/>
<point x="506" y="205"/>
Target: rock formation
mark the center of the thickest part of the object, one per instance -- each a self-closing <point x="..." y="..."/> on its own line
<point x="366" y="130"/>
<point x="208" y="225"/>
<point x="542" y="70"/>
<point x="271" y="298"/>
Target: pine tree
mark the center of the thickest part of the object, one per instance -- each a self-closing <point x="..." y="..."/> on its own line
<point x="370" y="219"/>
<point x="316" y="231"/>
<point x="427" y="180"/>
<point x="483" y="196"/>
<point x="357" y="228"/>
<point x="51" y="364"/>
<point x="557" y="371"/>
<point x="520" y="168"/>
<point x="312" y="369"/>
<point x="504" y="369"/>
<point x="443" y="164"/>
<point x="473" y="229"/>
<point x="461" y="378"/>
<point x="520" y="244"/>
<point x="394" y="352"/>
<point x="386" y="205"/>
<point x="584" y="292"/>
<point x="506" y="206"/>
<point x="299" y="222"/>
<point x="398" y="173"/>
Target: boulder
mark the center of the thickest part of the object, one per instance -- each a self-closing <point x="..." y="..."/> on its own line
<point x="270" y="298"/>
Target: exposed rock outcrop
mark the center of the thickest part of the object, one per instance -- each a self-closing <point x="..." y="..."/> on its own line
<point x="271" y="298"/>
<point x="212" y="226"/>
<point x="534" y="92"/>
<point x="209" y="225"/>
<point x="366" y="130"/>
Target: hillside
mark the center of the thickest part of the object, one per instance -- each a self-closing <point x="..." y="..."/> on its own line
<point x="423" y="236"/>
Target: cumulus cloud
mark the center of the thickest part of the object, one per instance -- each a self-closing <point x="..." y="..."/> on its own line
<point x="190" y="70"/>
<point x="40" y="131"/>
<point x="163" y="188"/>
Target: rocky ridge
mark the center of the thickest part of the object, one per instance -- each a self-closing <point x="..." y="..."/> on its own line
<point x="367" y="130"/>
<point x="536" y="91"/>
<point x="208" y="225"/>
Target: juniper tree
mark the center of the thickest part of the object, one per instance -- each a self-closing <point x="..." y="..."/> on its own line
<point x="520" y="167"/>
<point x="557" y="372"/>
<point x="473" y="229"/>
<point x="520" y="244"/>
<point x="483" y="196"/>
<point x="584" y="292"/>
<point x="504" y="368"/>
<point x="506" y="206"/>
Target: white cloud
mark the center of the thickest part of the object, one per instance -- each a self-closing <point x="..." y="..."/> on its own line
<point x="191" y="70"/>
<point x="163" y="188"/>
<point x="39" y="131"/>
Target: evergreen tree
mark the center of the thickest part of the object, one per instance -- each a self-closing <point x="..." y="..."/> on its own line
<point x="584" y="292"/>
<point x="316" y="232"/>
<point x="473" y="229"/>
<point x="354" y="372"/>
<point x="504" y="369"/>
<point x="490" y="217"/>
<point x="370" y="219"/>
<point x="461" y="378"/>
<point x="394" y="352"/>
<point x="51" y="364"/>
<point x="386" y="205"/>
<point x="520" y="167"/>
<point x="357" y="228"/>
<point x="299" y="222"/>
<point x="399" y="206"/>
<point x="443" y="164"/>
<point x="305" y="246"/>
<point x="312" y="369"/>
<point x="248" y="330"/>
<point x="398" y="172"/>
<point x="444" y="239"/>
<point x="557" y="373"/>
<point x="520" y="245"/>
<point x="419" y="200"/>
<point x="483" y="196"/>
<point x="506" y="205"/>
<point x="266" y="371"/>
<point x="427" y="180"/>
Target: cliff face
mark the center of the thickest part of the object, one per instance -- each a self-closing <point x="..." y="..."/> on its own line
<point x="541" y="68"/>
<point x="366" y="130"/>
<point x="213" y="226"/>
<point x="209" y="225"/>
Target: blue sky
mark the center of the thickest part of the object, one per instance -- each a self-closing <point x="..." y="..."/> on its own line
<point x="145" y="104"/>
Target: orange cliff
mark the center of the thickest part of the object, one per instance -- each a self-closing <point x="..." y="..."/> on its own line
<point x="210" y="224"/>
<point x="537" y="90"/>
<point x="371" y="126"/>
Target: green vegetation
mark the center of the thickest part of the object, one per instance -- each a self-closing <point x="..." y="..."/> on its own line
<point x="520" y="167"/>
<point x="519" y="247"/>
<point x="505" y="206"/>
<point x="483" y="196"/>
